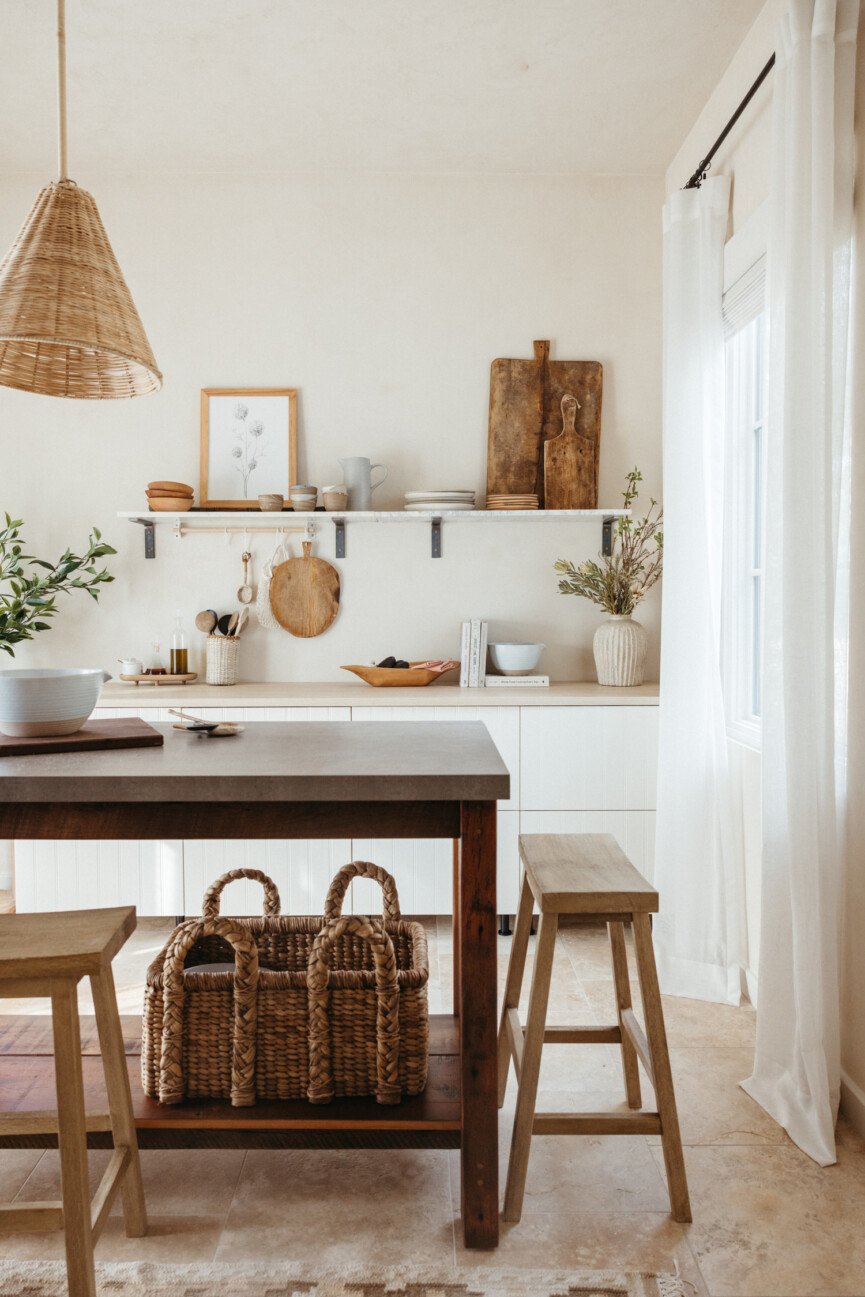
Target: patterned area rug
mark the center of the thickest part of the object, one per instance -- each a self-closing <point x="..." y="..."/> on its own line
<point x="48" y="1279"/>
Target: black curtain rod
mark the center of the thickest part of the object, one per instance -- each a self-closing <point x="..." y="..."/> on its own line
<point x="700" y="174"/>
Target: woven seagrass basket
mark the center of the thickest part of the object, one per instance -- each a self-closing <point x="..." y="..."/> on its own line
<point x="279" y="1007"/>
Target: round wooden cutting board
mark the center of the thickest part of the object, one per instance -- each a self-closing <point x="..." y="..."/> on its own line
<point x="304" y="594"/>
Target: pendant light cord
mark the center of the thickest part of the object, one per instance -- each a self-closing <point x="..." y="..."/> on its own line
<point x="61" y="88"/>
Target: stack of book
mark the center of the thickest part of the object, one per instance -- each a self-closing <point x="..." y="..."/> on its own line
<point x="473" y="662"/>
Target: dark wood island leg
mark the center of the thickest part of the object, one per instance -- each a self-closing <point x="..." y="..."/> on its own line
<point x="477" y="1010"/>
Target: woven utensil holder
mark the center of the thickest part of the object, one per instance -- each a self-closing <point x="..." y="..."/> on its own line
<point x="222" y="655"/>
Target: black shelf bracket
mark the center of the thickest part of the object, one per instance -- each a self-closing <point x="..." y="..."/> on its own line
<point x="149" y="536"/>
<point x="339" y="527"/>
<point x="436" y="537"/>
<point x="607" y="537"/>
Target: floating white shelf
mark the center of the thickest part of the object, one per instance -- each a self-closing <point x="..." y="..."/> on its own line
<point x="286" y="520"/>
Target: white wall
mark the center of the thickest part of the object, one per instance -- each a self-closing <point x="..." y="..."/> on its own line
<point x="383" y="299"/>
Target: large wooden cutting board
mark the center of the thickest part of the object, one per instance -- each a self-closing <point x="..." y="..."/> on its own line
<point x="526" y="411"/>
<point x="304" y="594"/>
<point x="94" y="736"/>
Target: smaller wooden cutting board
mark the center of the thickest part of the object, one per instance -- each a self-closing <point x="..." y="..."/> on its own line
<point x="128" y="732"/>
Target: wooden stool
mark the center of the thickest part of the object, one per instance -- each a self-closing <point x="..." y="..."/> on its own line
<point x="587" y="875"/>
<point x="47" y="955"/>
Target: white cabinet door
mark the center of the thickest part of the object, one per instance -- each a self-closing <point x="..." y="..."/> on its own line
<point x="503" y="724"/>
<point x="301" y="867"/>
<point x="589" y="758"/>
<point x="82" y="875"/>
<point x="423" y="870"/>
<point x="633" y="830"/>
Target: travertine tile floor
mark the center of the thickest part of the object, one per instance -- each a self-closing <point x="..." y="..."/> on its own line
<point x="767" y="1221"/>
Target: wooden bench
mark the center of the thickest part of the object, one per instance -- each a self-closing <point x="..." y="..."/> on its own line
<point x="47" y="955"/>
<point x="586" y="876"/>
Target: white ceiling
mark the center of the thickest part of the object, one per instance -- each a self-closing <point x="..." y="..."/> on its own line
<point x="575" y="86"/>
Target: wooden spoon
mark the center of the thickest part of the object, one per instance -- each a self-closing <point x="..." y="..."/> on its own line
<point x="246" y="593"/>
<point x="241" y="622"/>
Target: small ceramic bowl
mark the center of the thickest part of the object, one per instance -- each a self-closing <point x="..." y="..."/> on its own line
<point x="304" y="498"/>
<point x="335" y="501"/>
<point x="271" y="503"/>
<point x="516" y="659"/>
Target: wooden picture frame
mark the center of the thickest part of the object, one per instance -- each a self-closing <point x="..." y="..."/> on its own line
<point x="238" y="440"/>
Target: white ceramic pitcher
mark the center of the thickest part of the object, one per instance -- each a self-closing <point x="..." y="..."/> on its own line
<point x="357" y="475"/>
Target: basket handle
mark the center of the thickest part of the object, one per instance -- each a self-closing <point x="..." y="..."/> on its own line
<point x="321" y="1088"/>
<point x="172" y="1078"/>
<point x="210" y="903"/>
<point x="362" y="869"/>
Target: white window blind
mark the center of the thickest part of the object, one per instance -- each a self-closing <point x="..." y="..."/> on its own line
<point x="745" y="299"/>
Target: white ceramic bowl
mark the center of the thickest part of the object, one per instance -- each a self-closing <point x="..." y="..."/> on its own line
<point x="516" y="659"/>
<point x="42" y="702"/>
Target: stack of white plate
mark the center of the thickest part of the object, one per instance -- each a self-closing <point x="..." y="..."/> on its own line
<point x="417" y="501"/>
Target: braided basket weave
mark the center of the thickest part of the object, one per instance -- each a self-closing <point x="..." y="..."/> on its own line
<point x="301" y="1008"/>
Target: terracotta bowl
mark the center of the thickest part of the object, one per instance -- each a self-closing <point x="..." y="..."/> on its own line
<point x="170" y="503"/>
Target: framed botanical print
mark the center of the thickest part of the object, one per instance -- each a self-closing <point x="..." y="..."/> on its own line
<point x="248" y="445"/>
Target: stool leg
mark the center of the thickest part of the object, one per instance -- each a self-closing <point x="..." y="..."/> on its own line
<point x="677" y="1183"/>
<point x="514" y="981"/>
<point x="119" y="1099"/>
<point x="521" y="1139"/>
<point x="72" y="1140"/>
<point x="623" y="1001"/>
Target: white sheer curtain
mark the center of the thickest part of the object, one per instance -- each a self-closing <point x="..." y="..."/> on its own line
<point x="698" y="861"/>
<point x="797" y="1067"/>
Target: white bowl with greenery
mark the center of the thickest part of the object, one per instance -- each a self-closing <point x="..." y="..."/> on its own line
<point x="44" y="701"/>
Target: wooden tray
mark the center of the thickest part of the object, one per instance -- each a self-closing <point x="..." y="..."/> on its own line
<point x="401" y="677"/>
<point x="161" y="680"/>
<point x="128" y="732"/>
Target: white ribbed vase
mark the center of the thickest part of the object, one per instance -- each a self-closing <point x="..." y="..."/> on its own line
<point x="620" y="647"/>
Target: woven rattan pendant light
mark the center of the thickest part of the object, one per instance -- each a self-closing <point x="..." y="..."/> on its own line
<point x="68" y="325"/>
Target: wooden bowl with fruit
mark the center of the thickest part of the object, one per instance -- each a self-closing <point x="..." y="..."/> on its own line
<point x="396" y="673"/>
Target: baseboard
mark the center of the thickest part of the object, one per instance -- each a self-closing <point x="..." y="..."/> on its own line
<point x="853" y="1102"/>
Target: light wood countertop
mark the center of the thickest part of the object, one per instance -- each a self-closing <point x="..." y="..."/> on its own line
<point x="337" y="694"/>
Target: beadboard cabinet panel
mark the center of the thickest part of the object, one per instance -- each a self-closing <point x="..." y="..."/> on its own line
<point x="84" y="874"/>
<point x="301" y="868"/>
<point x="423" y="869"/>
<point x="589" y="758"/>
<point x="503" y="724"/>
<point x="633" y="830"/>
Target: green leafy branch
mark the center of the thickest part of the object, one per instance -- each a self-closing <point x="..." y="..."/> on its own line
<point x="28" y="598"/>
<point x="618" y="582"/>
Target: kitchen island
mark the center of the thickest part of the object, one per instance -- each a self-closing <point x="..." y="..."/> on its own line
<point x="320" y="780"/>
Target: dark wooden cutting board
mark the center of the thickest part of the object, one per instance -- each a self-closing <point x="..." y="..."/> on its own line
<point x="127" y="732"/>
<point x="526" y="412"/>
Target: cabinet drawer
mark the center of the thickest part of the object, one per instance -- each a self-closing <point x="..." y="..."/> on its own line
<point x="503" y="724"/>
<point x="83" y="875"/>
<point x="633" y="830"/>
<point x="589" y="758"/>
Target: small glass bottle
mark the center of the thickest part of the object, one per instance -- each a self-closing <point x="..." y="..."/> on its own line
<point x="179" y="650"/>
<point x="155" y="668"/>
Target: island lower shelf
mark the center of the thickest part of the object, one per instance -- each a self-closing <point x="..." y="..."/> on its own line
<point x="429" y="1120"/>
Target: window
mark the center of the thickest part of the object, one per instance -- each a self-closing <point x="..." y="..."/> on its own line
<point x="745" y="448"/>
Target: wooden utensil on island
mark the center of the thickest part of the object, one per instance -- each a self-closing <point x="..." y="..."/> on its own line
<point x="206" y="621"/>
<point x="525" y="406"/>
<point x="245" y="593"/>
<point x="569" y="463"/>
<point x="304" y="594"/>
<point x="213" y="729"/>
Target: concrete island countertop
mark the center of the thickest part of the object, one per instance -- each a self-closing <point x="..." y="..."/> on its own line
<point x="327" y="761"/>
<point x="336" y="694"/>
